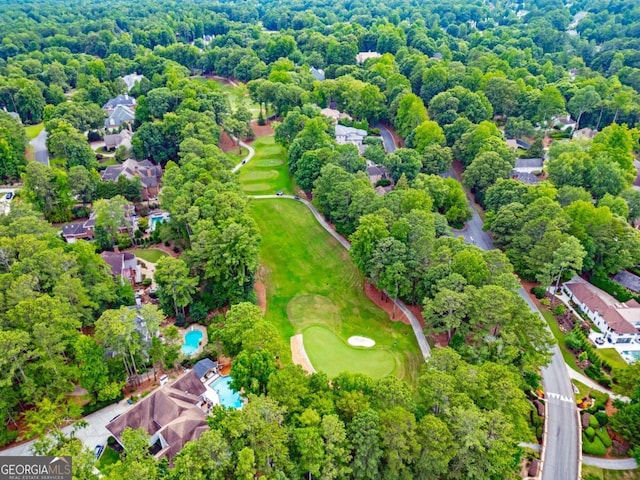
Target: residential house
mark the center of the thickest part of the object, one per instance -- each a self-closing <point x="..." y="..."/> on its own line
<point x="113" y="141"/>
<point x="512" y="143"/>
<point x="86" y="229"/>
<point x="361" y="57"/>
<point x="317" y="73"/>
<point x="119" y="116"/>
<point x="346" y="135"/>
<point x="564" y="122"/>
<point x="376" y="172"/>
<point x="619" y="322"/>
<point x="13" y="114"/>
<point x="123" y="266"/>
<point x="334" y="114"/>
<point x="172" y="416"/>
<point x="528" y="165"/>
<point x="585" y="134"/>
<point x="525" y="177"/>
<point x="131" y="79"/>
<point x="150" y="175"/>
<point x="124" y="100"/>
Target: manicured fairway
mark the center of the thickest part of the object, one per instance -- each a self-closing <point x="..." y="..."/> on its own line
<point x="314" y="289"/>
<point x="267" y="172"/>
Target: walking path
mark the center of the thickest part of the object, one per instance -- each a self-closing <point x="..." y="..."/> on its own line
<point x="593" y="385"/>
<point x="415" y="324"/>
<point x="246" y="159"/>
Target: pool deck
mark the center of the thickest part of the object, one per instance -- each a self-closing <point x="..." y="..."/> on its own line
<point x="203" y="342"/>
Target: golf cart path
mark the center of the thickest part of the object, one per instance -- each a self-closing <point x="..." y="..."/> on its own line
<point x="415" y="324"/>
<point x="246" y="159"/>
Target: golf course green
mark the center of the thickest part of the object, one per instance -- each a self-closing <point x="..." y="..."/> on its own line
<point x="313" y="288"/>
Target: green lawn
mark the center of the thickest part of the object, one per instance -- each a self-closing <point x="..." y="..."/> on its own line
<point x="235" y="156"/>
<point x="612" y="357"/>
<point x="109" y="457"/>
<point x="33" y="131"/>
<point x="569" y="359"/>
<point x="595" y="473"/>
<point x="236" y="95"/>
<point x="266" y="172"/>
<point x="150" y="255"/>
<point x="313" y="288"/>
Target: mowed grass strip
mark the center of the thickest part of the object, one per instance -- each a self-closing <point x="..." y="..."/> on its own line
<point x="305" y="269"/>
<point x="151" y="255"/>
<point x="332" y="355"/>
<point x="266" y="173"/>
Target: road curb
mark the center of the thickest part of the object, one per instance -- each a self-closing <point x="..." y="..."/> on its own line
<point x="544" y="438"/>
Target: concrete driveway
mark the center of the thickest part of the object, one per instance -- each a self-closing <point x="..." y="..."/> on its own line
<point x="39" y="145"/>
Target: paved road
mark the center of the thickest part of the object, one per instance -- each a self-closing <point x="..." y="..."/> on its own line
<point x="561" y="452"/>
<point x="387" y="138"/>
<point x="415" y="324"/>
<point x="594" y="385"/>
<point x="39" y="145"/>
<point x="246" y="159"/>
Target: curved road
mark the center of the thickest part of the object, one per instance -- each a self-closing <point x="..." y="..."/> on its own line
<point x="415" y="324"/>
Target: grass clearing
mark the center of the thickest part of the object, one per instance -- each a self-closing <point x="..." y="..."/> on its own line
<point x="109" y="457"/>
<point x="595" y="473"/>
<point x="313" y="288"/>
<point x="613" y="358"/>
<point x="235" y="156"/>
<point x="33" y="131"/>
<point x="267" y="171"/>
<point x="151" y="255"/>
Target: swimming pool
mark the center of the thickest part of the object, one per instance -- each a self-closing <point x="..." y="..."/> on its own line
<point x="155" y="220"/>
<point x="191" y="342"/>
<point x="228" y="397"/>
<point x="634" y="354"/>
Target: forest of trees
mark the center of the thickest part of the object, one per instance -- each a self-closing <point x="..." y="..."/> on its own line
<point x="453" y="78"/>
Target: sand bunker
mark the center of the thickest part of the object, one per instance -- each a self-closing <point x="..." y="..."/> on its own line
<point x="361" y="342"/>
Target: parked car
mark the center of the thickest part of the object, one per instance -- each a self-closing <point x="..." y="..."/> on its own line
<point x="98" y="451"/>
<point x="163" y="379"/>
<point x="279" y="193"/>
<point x="296" y="197"/>
<point x="9" y="195"/>
<point x="600" y="341"/>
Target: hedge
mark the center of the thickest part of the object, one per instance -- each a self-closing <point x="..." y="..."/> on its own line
<point x="605" y="283"/>
<point x="590" y="433"/>
<point x="602" y="418"/>
<point x="593" y="422"/>
<point x="596" y="447"/>
<point x="603" y="435"/>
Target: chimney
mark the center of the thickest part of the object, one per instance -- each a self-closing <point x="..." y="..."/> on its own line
<point x="116" y="249"/>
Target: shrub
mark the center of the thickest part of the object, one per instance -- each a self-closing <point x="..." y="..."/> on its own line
<point x="593" y="372"/>
<point x="605" y="382"/>
<point x="595" y="447"/>
<point x="111" y="440"/>
<point x="147" y="282"/>
<point x="539" y="292"/>
<point x="589" y="432"/>
<point x="573" y="341"/>
<point x="180" y="320"/>
<point x="593" y="422"/>
<point x="559" y="309"/>
<point x="583" y="356"/>
<point x="603" y="436"/>
<point x="545" y="302"/>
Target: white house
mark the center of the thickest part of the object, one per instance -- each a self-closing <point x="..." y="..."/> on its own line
<point x="564" y="122"/>
<point x="528" y="165"/>
<point x="619" y="322"/>
<point x="361" y="57"/>
<point x="346" y="135"/>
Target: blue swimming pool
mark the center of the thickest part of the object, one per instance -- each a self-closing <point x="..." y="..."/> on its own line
<point x="154" y="221"/>
<point x="635" y="354"/>
<point x="228" y="397"/>
<point x="191" y="342"/>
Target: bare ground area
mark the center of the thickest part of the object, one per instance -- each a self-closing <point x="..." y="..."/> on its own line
<point x="226" y="143"/>
<point x="261" y="294"/>
<point x="262" y="130"/>
<point x="385" y="303"/>
<point x="299" y="355"/>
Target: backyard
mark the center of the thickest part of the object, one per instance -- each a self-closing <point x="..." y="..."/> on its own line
<point x="313" y="288"/>
<point x="151" y="255"/>
<point x="266" y="173"/>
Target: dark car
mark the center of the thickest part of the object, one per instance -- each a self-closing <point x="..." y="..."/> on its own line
<point x="296" y="197"/>
<point x="9" y="195"/>
<point x="600" y="341"/>
<point x="98" y="451"/>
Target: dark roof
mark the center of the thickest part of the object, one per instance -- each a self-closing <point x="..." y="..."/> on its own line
<point x="72" y="229"/>
<point x="203" y="366"/>
<point x="125" y="100"/>
<point x="529" y="163"/>
<point x="120" y="114"/>
<point x="115" y="261"/>
<point x="111" y="173"/>
<point x="525" y="177"/>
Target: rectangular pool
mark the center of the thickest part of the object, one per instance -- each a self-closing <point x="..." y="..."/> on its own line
<point x="228" y="397"/>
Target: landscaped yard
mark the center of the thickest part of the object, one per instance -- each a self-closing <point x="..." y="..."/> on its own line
<point x="595" y="473"/>
<point x="266" y="173"/>
<point x="612" y="357"/>
<point x="313" y="288"/>
<point x="33" y="131"/>
<point x="151" y="255"/>
<point x="560" y="337"/>
<point x="109" y="457"/>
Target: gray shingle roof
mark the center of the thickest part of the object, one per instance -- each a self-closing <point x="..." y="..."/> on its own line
<point x="203" y="366"/>
<point x="529" y="163"/>
<point x="120" y="114"/>
<point x="124" y="100"/>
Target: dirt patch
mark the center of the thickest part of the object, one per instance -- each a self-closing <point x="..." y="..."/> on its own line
<point x="384" y="302"/>
<point x="262" y="130"/>
<point x="261" y="295"/>
<point x="299" y="354"/>
<point x="226" y="143"/>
